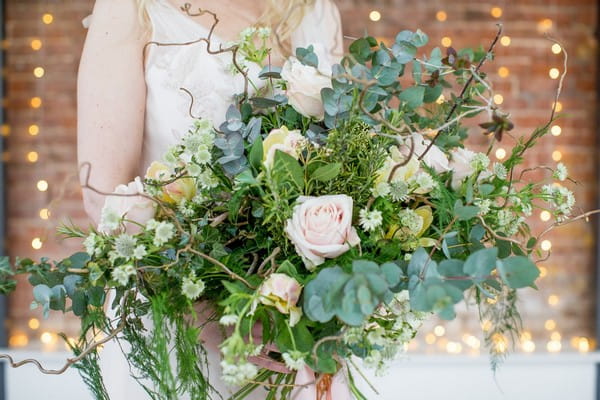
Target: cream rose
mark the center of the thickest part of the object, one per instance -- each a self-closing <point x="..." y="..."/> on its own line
<point x="124" y="205"/>
<point x="462" y="166"/>
<point x="321" y="227"/>
<point x="282" y="292"/>
<point x="282" y="139"/>
<point x="174" y="192"/>
<point x="304" y="84"/>
<point x="435" y="158"/>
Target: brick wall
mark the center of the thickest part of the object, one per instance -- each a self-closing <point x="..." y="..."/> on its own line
<point x="527" y="93"/>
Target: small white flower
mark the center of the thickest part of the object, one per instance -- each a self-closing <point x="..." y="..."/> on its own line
<point x="247" y="33"/>
<point x="561" y="172"/>
<point x="203" y="156"/>
<point x="125" y="245"/>
<point x="500" y="171"/>
<point x="163" y="233"/>
<point x="424" y="182"/>
<point x="238" y="373"/>
<point x="484" y="206"/>
<point x="382" y="189"/>
<point x="264" y="32"/>
<point x="505" y="218"/>
<point x="90" y="244"/>
<point x="151" y="224"/>
<point x="411" y="220"/>
<point x="109" y="220"/>
<point x="192" y="288"/>
<point x="294" y="360"/>
<point x="140" y="252"/>
<point x="207" y="180"/>
<point x="399" y="191"/>
<point x="480" y="162"/>
<point x="228" y="320"/>
<point x="122" y="274"/>
<point x="194" y="169"/>
<point x="370" y="220"/>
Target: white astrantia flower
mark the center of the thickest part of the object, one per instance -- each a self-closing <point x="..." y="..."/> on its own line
<point x="199" y="198"/>
<point x="294" y="360"/>
<point x="381" y="189"/>
<point x="484" y="206"/>
<point x="228" y="320"/>
<point x="207" y="180"/>
<point x="370" y="220"/>
<point x="424" y="182"/>
<point x="125" y="245"/>
<point x="264" y="32"/>
<point x="109" y="220"/>
<point x="163" y="233"/>
<point x="90" y="243"/>
<point x="399" y="191"/>
<point x="480" y="162"/>
<point x="527" y="209"/>
<point x="112" y="257"/>
<point x="561" y="173"/>
<point x="140" y="252"/>
<point x="151" y="224"/>
<point x="203" y="155"/>
<point x="192" y="288"/>
<point x="122" y="273"/>
<point x="411" y="220"/>
<point x="186" y="209"/>
<point x="547" y="190"/>
<point x="505" y="218"/>
<point x="194" y="169"/>
<point x="500" y="171"/>
<point x="237" y="373"/>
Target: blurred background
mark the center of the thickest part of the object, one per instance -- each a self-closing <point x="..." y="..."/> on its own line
<point x="554" y="359"/>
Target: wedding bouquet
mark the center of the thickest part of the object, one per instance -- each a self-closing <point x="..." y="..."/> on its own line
<point x="321" y="223"/>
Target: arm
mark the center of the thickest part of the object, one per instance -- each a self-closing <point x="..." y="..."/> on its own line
<point x="111" y="100"/>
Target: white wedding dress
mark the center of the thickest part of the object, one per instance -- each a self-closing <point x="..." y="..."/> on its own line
<point x="167" y="119"/>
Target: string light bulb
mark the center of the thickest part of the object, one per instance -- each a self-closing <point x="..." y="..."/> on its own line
<point x="47" y="18"/>
<point x="550" y="325"/>
<point x="374" y="15"/>
<point x="554" y="346"/>
<point x="42" y="185"/>
<point x="496" y="12"/>
<point x="36" y="243"/>
<point x="446" y="41"/>
<point x="554" y="73"/>
<point x="36" y="44"/>
<point x="5" y="130"/>
<point x="553" y="300"/>
<point x="556" y="155"/>
<point x="505" y="41"/>
<point x="44" y="214"/>
<point x="34" y="324"/>
<point x="556" y="130"/>
<point x="545" y="216"/>
<point x="503" y="72"/>
<point x="34" y="130"/>
<point x="439" y="330"/>
<point x="556" y="48"/>
<point x="441" y="16"/>
<point x="546" y="245"/>
<point x="500" y="154"/>
<point x="35" y="102"/>
<point x="48" y="338"/>
<point x="544" y="25"/>
<point x="39" y="72"/>
<point x="18" y="340"/>
<point x="528" y="346"/>
<point x="430" y="338"/>
<point x="32" y="156"/>
<point x="498" y="99"/>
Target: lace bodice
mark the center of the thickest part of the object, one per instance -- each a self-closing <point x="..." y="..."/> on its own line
<point x="209" y="78"/>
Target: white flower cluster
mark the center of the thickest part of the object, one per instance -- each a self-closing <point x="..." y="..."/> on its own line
<point x="384" y="344"/>
<point x="93" y="244"/>
<point x="236" y="370"/>
<point x="370" y="220"/>
<point x="238" y="373"/>
<point x="294" y="360"/>
<point x="561" y="198"/>
<point x="163" y="231"/>
<point x="192" y="287"/>
<point x="399" y="181"/>
<point x="122" y="273"/>
<point x="561" y="173"/>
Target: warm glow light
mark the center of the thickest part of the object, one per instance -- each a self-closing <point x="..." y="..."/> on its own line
<point x="5" y="130"/>
<point x="545" y="216"/>
<point x="546" y="245"/>
<point x="553" y="300"/>
<point x="39" y="72"/>
<point x="44" y="213"/>
<point x="556" y="49"/>
<point x="550" y="325"/>
<point x="503" y="72"/>
<point x="18" y="340"/>
<point x="556" y="130"/>
<point x="486" y="325"/>
<point x="554" y="346"/>
<point x="559" y="106"/>
<point x="528" y="346"/>
<point x="505" y="40"/>
<point x="36" y="44"/>
<point x="556" y="155"/>
<point x="525" y="336"/>
<point x="498" y="99"/>
<point x="71" y="342"/>
<point x="35" y="102"/>
<point x="34" y="323"/>
<point x="472" y="341"/>
<point x="545" y="25"/>
<point x="374" y="16"/>
<point x="430" y="338"/>
<point x="554" y="73"/>
<point x="32" y="156"/>
<point x="500" y="154"/>
<point x="496" y="12"/>
<point x="441" y="16"/>
<point x="34" y="130"/>
<point x="583" y="345"/>
<point x="453" y="347"/>
<point x="543" y="272"/>
<point x="556" y="336"/>
<point x="36" y="243"/>
<point x="47" y="18"/>
<point x="439" y="330"/>
<point x="441" y="99"/>
<point x="48" y="338"/>
<point x="500" y="343"/>
<point x="446" y="41"/>
<point x="42" y="185"/>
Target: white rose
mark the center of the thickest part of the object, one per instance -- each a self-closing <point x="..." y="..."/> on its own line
<point x="124" y="205"/>
<point x="461" y="165"/>
<point x="282" y="139"/>
<point x="304" y="84"/>
<point x="321" y="228"/>
<point x="435" y="158"/>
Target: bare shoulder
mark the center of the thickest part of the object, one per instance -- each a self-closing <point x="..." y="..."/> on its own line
<point x="117" y="20"/>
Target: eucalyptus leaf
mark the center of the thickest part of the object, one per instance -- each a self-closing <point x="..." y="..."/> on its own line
<point x="518" y="271"/>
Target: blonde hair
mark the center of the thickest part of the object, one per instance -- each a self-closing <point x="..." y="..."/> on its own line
<point x="283" y="16"/>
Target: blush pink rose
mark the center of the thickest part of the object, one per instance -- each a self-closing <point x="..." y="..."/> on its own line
<point x="282" y="292"/>
<point x="321" y="227"/>
<point x="125" y="205"/>
<point x="434" y="158"/>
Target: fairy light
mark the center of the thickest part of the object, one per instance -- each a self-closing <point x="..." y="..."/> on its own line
<point x="525" y="335"/>
<point x="543" y="272"/>
<point x="18" y="340"/>
<point x="505" y="41"/>
<point x="554" y="73"/>
<point x="545" y="216"/>
<point x="553" y="300"/>
<point x="556" y="336"/>
<point x="546" y="245"/>
<point x="472" y="341"/>
<point x="36" y="44"/>
<point x="528" y="346"/>
<point x="453" y="347"/>
<point x="556" y="48"/>
<point x="499" y="343"/>
<point x="558" y="105"/>
<point x="446" y="41"/>
<point x="44" y="213"/>
<point x="439" y="330"/>
<point x="500" y="154"/>
<point x="550" y="325"/>
<point x="556" y="130"/>
<point x="33" y="130"/>
<point x="556" y="155"/>
<point x="47" y="18"/>
<point x="498" y="99"/>
<point x="486" y="325"/>
<point x="39" y="72"/>
<point x="34" y="324"/>
<point x="430" y="338"/>
<point x="544" y="25"/>
<point x="5" y="130"/>
<point x="42" y="185"/>
<point x="583" y="345"/>
<point x="441" y="16"/>
<point x="36" y="243"/>
<point x="48" y="338"/>
<point x="35" y="102"/>
<point x="503" y="72"/>
<point x="32" y="156"/>
<point x="374" y="15"/>
<point x="554" y="346"/>
<point x="496" y="12"/>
